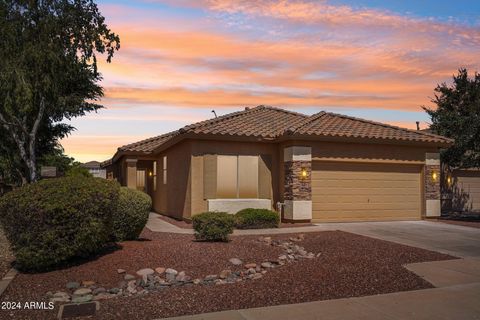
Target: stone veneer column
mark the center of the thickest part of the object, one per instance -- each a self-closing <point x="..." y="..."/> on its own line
<point x="432" y="184"/>
<point x="131" y="173"/>
<point x="298" y="189"/>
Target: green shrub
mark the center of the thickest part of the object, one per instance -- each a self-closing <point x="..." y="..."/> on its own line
<point x="131" y="214"/>
<point x="256" y="219"/>
<point x="52" y="221"/>
<point x="213" y="226"/>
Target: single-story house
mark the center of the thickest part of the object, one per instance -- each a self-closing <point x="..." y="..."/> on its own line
<point x="323" y="167"/>
<point x="95" y="169"/>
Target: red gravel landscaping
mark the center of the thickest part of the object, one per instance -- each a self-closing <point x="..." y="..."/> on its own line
<point x="349" y="265"/>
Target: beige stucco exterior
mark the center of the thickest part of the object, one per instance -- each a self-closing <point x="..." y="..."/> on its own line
<point x="191" y="173"/>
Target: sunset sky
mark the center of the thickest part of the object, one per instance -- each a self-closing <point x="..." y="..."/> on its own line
<point x="179" y="59"/>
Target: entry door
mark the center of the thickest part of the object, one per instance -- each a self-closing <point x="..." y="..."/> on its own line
<point x="141" y="180"/>
<point x="361" y="191"/>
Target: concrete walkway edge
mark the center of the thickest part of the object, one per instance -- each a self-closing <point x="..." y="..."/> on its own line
<point x="7" y="279"/>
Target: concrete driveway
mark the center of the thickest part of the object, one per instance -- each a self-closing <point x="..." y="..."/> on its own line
<point x="455" y="240"/>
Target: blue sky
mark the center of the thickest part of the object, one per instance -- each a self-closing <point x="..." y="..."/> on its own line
<point x="179" y="59"/>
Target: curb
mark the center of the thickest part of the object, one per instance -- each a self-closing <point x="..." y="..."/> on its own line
<point x="7" y="279"/>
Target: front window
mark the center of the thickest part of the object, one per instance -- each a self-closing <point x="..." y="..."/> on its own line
<point x="237" y="177"/>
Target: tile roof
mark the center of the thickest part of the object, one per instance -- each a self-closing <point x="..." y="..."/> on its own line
<point x="262" y="121"/>
<point x="150" y="144"/>
<point x="337" y="125"/>
<point x="269" y="123"/>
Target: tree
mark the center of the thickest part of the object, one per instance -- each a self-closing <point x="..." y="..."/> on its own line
<point x="457" y="116"/>
<point x="48" y="72"/>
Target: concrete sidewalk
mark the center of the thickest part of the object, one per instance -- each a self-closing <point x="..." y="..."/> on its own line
<point x="457" y="299"/>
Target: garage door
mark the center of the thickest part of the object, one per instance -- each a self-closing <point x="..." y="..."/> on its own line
<point x="466" y="189"/>
<point x="355" y="192"/>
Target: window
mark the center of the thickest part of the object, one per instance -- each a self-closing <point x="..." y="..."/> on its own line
<point x="164" y="170"/>
<point x="237" y="177"/>
<point x="141" y="179"/>
<point x="154" y="175"/>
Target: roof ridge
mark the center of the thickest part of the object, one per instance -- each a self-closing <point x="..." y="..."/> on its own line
<point x="385" y="125"/>
<point x="281" y="110"/>
<point x="307" y="121"/>
<point x="217" y="119"/>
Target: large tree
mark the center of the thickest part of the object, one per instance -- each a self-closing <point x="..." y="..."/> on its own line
<point x="457" y="116"/>
<point x="48" y="72"/>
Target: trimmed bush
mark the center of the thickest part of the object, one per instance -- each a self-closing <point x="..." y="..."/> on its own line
<point x="256" y="219"/>
<point x="131" y="214"/>
<point x="49" y="222"/>
<point x="213" y="226"/>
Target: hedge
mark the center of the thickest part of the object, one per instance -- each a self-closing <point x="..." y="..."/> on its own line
<point x="49" y="222"/>
<point x="131" y="214"/>
<point x="213" y="226"/>
<point x="256" y="219"/>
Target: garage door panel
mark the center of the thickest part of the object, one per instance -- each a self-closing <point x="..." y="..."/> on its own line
<point x="365" y="183"/>
<point x="351" y="191"/>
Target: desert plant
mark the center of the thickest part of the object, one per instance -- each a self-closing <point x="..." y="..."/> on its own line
<point x="52" y="221"/>
<point x="131" y="214"/>
<point x="213" y="226"/>
<point x="256" y="219"/>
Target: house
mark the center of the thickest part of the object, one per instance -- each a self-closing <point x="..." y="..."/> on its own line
<point x="461" y="190"/>
<point x="324" y="167"/>
<point x="95" y="169"/>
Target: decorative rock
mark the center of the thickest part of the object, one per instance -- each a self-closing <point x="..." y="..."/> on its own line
<point x="211" y="277"/>
<point x="250" y="265"/>
<point x="235" y="261"/>
<point x="282" y="257"/>
<point x="73" y="285"/>
<point x="99" y="290"/>
<point x="219" y="282"/>
<point x="82" y="299"/>
<point x="251" y="271"/>
<point x="114" y="290"/>
<point x="120" y="271"/>
<point x="182" y="277"/>
<point x="171" y="274"/>
<point x="145" y="272"/>
<point x="160" y="270"/>
<point x="197" y="281"/>
<point x="264" y="271"/>
<point x="103" y="296"/>
<point x="224" y="274"/>
<point x="60" y="296"/>
<point x="319" y="254"/>
<point x="266" y="265"/>
<point x="255" y="276"/>
<point x="82" y="292"/>
<point x="129" y="277"/>
<point x="88" y="283"/>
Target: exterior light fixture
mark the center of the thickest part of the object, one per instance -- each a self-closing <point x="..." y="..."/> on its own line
<point x="434" y="176"/>
<point x="150" y="174"/>
<point x="303" y="173"/>
<point x="449" y="180"/>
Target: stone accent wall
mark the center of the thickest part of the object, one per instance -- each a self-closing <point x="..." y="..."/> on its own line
<point x="296" y="187"/>
<point x="432" y="188"/>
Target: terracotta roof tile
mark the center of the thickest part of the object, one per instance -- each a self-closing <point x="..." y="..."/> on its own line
<point x="337" y="125"/>
<point x="269" y="123"/>
<point x="150" y="144"/>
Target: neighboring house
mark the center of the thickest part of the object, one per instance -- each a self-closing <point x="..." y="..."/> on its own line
<point x="461" y="190"/>
<point x="95" y="169"/>
<point x="324" y="167"/>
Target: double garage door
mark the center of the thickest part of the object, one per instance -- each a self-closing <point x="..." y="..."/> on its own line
<point x="363" y="191"/>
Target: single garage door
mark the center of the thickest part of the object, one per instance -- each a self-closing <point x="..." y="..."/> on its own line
<point x="356" y="192"/>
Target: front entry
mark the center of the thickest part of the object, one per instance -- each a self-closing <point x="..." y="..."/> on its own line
<point x="141" y="180"/>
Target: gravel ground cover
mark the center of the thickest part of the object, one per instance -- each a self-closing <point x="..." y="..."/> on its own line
<point x="6" y="256"/>
<point x="348" y="265"/>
